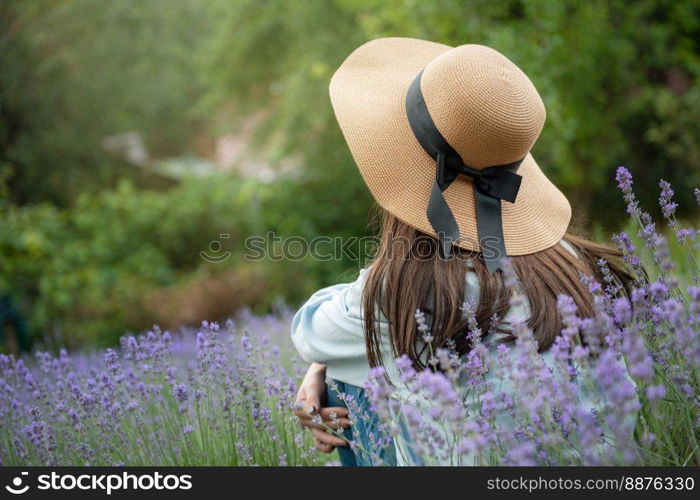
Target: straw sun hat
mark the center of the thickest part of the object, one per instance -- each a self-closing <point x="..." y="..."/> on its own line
<point x="442" y="136"/>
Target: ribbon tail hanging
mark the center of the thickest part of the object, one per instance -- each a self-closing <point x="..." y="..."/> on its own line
<point x="439" y="214"/>
<point x="488" y="217"/>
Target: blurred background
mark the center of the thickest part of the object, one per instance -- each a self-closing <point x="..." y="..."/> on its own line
<point x="136" y="134"/>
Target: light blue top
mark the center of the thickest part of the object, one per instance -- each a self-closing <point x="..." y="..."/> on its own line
<point x="328" y="329"/>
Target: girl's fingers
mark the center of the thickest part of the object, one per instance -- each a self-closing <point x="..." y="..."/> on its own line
<point x="326" y="438"/>
<point x="339" y="412"/>
<point x="310" y="402"/>
<point x="326" y="414"/>
<point x="341" y="423"/>
<point x="301" y="412"/>
<point x="323" y="447"/>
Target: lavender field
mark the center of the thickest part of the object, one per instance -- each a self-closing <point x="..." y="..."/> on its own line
<point x="211" y="396"/>
<point x="222" y="395"/>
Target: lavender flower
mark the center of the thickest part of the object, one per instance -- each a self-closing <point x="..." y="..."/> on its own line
<point x="625" y="183"/>
<point x="423" y="327"/>
<point x="625" y="245"/>
<point x="668" y="206"/>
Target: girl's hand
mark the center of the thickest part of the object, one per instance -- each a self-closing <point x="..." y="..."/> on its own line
<point x="310" y="414"/>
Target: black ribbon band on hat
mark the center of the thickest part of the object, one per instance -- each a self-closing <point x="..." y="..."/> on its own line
<point x="491" y="185"/>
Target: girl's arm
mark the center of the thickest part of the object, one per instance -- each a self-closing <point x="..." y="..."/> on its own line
<point x="329" y="326"/>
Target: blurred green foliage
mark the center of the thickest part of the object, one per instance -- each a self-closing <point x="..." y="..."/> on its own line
<point x="620" y="80"/>
<point x="80" y="247"/>
<point x="81" y="270"/>
<point x="89" y="272"/>
<point x="76" y="71"/>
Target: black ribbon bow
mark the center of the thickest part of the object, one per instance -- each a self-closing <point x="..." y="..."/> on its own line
<point x="491" y="185"/>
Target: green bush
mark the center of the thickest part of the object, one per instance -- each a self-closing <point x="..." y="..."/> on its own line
<point x="83" y="274"/>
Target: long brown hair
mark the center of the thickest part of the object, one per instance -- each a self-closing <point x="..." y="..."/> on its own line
<point x="407" y="274"/>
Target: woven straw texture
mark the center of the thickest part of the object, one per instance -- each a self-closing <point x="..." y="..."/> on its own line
<point x="485" y="107"/>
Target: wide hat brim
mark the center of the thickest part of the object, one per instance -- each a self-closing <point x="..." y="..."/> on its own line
<point x="368" y="95"/>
